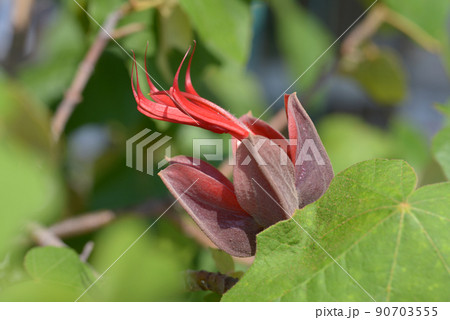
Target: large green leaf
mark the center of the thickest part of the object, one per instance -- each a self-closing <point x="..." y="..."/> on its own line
<point x="56" y="274"/>
<point x="223" y="25"/>
<point x="392" y="240"/>
<point x="60" y="266"/>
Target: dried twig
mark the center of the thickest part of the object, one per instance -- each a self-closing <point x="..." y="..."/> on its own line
<point x="364" y="30"/>
<point x="87" y="250"/>
<point x="380" y="14"/>
<point x="21" y="14"/>
<point x="128" y="29"/>
<point x="44" y="237"/>
<point x="85" y="70"/>
<point x="82" y="224"/>
<point x="412" y="30"/>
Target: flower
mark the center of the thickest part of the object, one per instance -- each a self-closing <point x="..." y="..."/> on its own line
<point x="273" y="176"/>
<point x="187" y="107"/>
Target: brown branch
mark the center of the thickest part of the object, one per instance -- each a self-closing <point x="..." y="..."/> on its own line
<point x="21" y="14"/>
<point x="82" y="224"/>
<point x="87" y="250"/>
<point x="73" y="95"/>
<point x="128" y="29"/>
<point x="412" y="30"/>
<point x="92" y="221"/>
<point x="364" y="30"/>
<point x="209" y="281"/>
<point x="44" y="237"/>
<point x="380" y="14"/>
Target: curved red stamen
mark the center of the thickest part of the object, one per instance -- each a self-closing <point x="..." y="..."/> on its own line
<point x="188" y="107"/>
<point x="211" y="119"/>
<point x="153" y="89"/>
<point x="164" y="97"/>
<point x="156" y="110"/>
<point x="213" y="114"/>
<point x="188" y="82"/>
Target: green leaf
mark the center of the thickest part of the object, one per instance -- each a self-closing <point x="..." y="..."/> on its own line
<point x="26" y="120"/>
<point x="301" y="39"/>
<point x="382" y="76"/>
<point x="223" y="260"/>
<point x="430" y="16"/>
<point x="224" y="27"/>
<point x="29" y="191"/>
<point x="151" y="270"/>
<point x="392" y="240"/>
<point x="441" y="149"/>
<point x="61" y="266"/>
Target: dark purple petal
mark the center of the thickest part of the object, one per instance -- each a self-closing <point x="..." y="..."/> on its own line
<point x="313" y="170"/>
<point x="204" y="167"/>
<point x="264" y="181"/>
<point x="214" y="208"/>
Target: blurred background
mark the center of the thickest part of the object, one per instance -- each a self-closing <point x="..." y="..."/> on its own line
<point x="379" y="89"/>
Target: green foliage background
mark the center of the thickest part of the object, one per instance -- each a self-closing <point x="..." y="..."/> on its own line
<point x="43" y="182"/>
